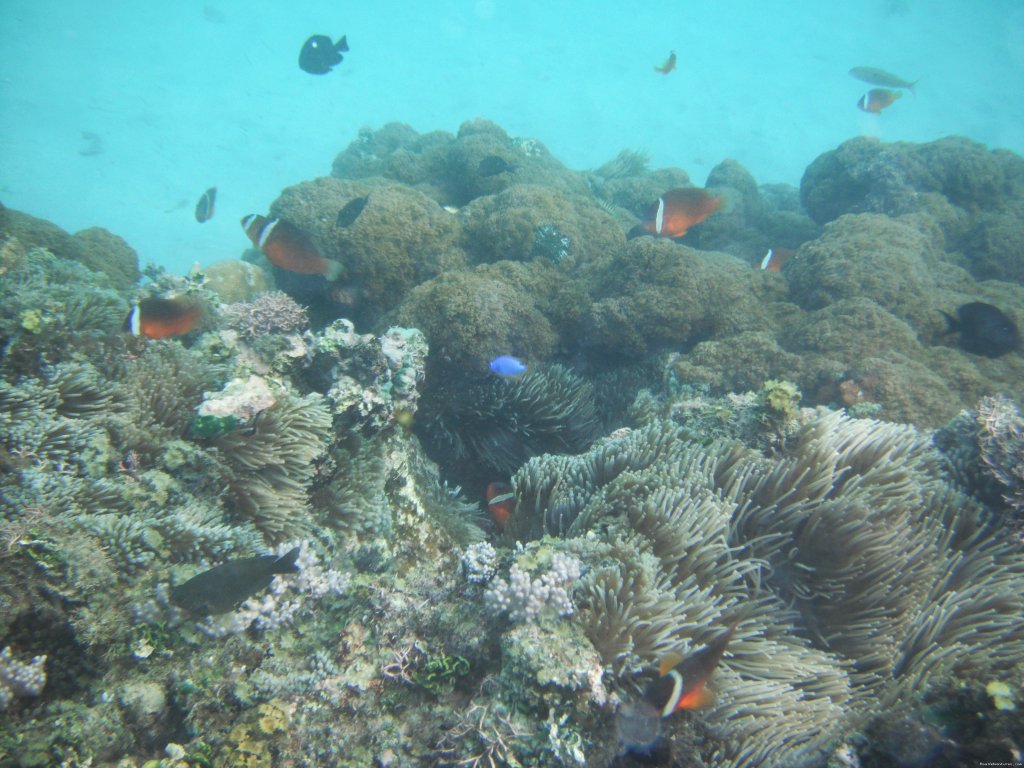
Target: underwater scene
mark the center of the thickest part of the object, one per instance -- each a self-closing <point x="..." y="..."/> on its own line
<point x="478" y="384"/>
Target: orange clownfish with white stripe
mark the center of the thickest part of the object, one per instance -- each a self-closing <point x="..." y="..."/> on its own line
<point x="681" y="684"/>
<point x="288" y="247"/>
<point x="676" y="211"/>
<point x="157" y="318"/>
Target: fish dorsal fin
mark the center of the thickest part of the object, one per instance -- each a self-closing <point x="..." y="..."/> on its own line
<point x="671" y="661"/>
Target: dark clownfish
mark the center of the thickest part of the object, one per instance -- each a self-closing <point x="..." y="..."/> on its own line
<point x="157" y="318"/>
<point x="676" y="211"/>
<point x="288" y="247"/>
<point x="501" y="502"/>
<point x="775" y="258"/>
<point x="669" y="65"/>
<point x="877" y="99"/>
<point x="680" y="685"/>
<point x="681" y="682"/>
<point x="204" y="208"/>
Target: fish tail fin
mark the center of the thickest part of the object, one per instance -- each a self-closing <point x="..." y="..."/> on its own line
<point x="334" y="271"/>
<point x="286" y="562"/>
<point x="952" y="324"/>
<point x="911" y="87"/>
<point x="729" y="198"/>
<point x="342" y="45"/>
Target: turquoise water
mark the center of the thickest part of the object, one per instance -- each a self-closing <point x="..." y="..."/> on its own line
<point x="119" y="114"/>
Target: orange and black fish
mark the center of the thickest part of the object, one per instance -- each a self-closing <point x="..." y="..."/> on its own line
<point x="157" y="318"/>
<point x="681" y="682"/>
<point x="680" y="685"/>
<point x="501" y="502"/>
<point x="669" y="65"/>
<point x="877" y="99"/>
<point x="676" y="211"/>
<point x="288" y="247"/>
<point x="775" y="258"/>
<point x="204" y="208"/>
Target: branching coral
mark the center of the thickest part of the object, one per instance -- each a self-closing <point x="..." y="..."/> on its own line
<point x="856" y="573"/>
<point x="273" y="312"/>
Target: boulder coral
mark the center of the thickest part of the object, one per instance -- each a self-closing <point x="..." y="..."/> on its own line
<point x="399" y="239"/>
<point x="973" y="193"/>
<point x="525" y="222"/>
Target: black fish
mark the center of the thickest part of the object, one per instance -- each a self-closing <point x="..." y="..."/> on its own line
<point x="204" y="208"/>
<point x="492" y="165"/>
<point x="221" y="588"/>
<point x="984" y="329"/>
<point x="350" y="212"/>
<point x="319" y="54"/>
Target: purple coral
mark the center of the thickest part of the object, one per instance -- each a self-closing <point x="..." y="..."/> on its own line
<point x="1001" y="441"/>
<point x="273" y="312"/>
<point x="20" y="678"/>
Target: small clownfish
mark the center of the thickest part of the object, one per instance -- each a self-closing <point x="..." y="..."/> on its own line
<point x="877" y="99"/>
<point x="204" y="208"/>
<point x="680" y="685"/>
<point x="157" y="318"/>
<point x="676" y="211"/>
<point x="669" y="65"/>
<point x="506" y="365"/>
<point x="288" y="247"/>
<point x="775" y="258"/>
<point x="501" y="502"/>
<point x="681" y="682"/>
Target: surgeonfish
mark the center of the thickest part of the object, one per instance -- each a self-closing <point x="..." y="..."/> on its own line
<point x="506" y="365"/>
<point x="501" y="502"/>
<point x="157" y="318"/>
<point x="288" y="247"/>
<point x="876" y="76"/>
<point x="669" y="65"/>
<point x="676" y="211"/>
<point x="680" y="685"/>
<point x="984" y="329"/>
<point x="204" y="208"/>
<point x="223" y="587"/>
<point x="775" y="258"/>
<point x="877" y="99"/>
<point x="319" y="54"/>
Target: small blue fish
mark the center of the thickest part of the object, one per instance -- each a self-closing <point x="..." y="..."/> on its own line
<point x="506" y="365"/>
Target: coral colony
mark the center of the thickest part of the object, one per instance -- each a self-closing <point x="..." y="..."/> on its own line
<point x="449" y="471"/>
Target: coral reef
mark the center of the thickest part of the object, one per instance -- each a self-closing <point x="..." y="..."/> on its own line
<point x="874" y="584"/>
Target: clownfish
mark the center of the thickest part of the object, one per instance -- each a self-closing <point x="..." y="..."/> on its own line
<point x="681" y="682"/>
<point x="501" y="502"/>
<point x="204" y="208"/>
<point x="877" y="99"/>
<point x="680" y="685"/>
<point x="775" y="258"/>
<point x="676" y="211"/>
<point x="157" y="318"/>
<point x="669" y="65"/>
<point x="288" y="247"/>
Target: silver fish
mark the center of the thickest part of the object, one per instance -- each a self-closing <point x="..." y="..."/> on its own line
<point x="877" y="76"/>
